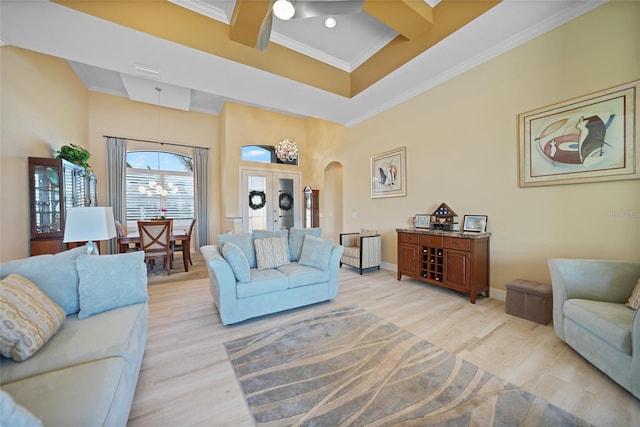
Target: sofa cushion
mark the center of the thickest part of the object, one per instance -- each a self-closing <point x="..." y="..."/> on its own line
<point x="271" y="252"/>
<point x="351" y="252"/>
<point x="13" y="414"/>
<point x="55" y="274"/>
<point x="610" y="321"/>
<point x="120" y="332"/>
<point x="111" y="281"/>
<point x="81" y="395"/>
<point x="634" y="299"/>
<point x="262" y="282"/>
<point x="302" y="275"/>
<point x="244" y="241"/>
<point x="296" y="239"/>
<point x="316" y="252"/>
<point x="238" y="261"/>
<point x="29" y="318"/>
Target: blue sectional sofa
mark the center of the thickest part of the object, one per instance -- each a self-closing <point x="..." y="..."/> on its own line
<point x="86" y="373"/>
<point x="308" y="275"/>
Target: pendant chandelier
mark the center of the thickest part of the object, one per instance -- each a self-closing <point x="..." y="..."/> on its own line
<point x="155" y="188"/>
<point x="286" y="150"/>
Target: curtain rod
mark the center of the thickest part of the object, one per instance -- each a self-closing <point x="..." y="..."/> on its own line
<point x="155" y="142"/>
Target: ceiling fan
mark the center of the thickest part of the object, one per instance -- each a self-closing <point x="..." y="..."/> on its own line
<point x="301" y="9"/>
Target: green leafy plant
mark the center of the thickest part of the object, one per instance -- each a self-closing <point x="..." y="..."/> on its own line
<point x="76" y="155"/>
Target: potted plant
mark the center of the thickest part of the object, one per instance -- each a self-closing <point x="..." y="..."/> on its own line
<point x="76" y="155"/>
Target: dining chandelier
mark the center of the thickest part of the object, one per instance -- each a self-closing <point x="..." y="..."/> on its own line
<point x="155" y="188"/>
<point x="286" y="150"/>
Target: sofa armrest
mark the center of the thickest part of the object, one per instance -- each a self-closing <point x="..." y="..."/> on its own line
<point x="370" y="251"/>
<point x="598" y="280"/>
<point x="635" y="354"/>
<point x="222" y="281"/>
<point x="334" y="268"/>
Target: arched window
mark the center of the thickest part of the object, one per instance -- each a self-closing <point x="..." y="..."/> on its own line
<point x="159" y="180"/>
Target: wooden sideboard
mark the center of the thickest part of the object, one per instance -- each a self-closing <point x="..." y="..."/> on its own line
<point x="454" y="260"/>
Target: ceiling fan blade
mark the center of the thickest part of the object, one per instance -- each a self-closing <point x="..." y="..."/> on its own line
<point x="265" y="32"/>
<point x="310" y="9"/>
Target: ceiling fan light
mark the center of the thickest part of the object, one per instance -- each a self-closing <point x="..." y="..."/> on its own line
<point x="330" y="22"/>
<point x="283" y="9"/>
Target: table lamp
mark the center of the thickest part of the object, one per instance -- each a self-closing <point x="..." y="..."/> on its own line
<point x="89" y="224"/>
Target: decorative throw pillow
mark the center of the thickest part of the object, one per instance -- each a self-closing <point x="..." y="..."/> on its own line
<point x="55" y="275"/>
<point x="634" y="299"/>
<point x="244" y="241"/>
<point x="28" y="318"/>
<point x="238" y="262"/>
<point x="13" y="414"/>
<point x="365" y="233"/>
<point x="271" y="252"/>
<point x="111" y="281"/>
<point x="316" y="252"/>
<point x="296" y="239"/>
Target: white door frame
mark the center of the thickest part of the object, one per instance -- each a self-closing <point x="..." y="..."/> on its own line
<point x="272" y="176"/>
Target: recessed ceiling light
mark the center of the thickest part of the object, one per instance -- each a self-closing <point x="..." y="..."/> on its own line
<point x="330" y="22"/>
<point x="283" y="9"/>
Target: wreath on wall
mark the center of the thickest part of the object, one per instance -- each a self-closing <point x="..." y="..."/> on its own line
<point x="257" y="199"/>
<point x="285" y="201"/>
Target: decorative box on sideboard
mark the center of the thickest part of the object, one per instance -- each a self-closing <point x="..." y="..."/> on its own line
<point x="454" y="260"/>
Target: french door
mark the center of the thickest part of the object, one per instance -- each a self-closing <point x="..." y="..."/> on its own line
<point x="270" y="200"/>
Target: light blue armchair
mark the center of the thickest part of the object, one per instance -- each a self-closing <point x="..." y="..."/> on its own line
<point x="589" y="314"/>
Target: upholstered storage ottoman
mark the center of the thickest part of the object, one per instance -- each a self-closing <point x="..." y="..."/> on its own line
<point x="529" y="300"/>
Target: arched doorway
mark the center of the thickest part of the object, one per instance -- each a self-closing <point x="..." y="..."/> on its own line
<point x="332" y="221"/>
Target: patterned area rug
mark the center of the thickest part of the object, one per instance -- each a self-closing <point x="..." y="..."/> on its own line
<point x="349" y="367"/>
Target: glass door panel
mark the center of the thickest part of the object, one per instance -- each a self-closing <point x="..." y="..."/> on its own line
<point x="286" y="203"/>
<point x="258" y="212"/>
<point x="46" y="200"/>
<point x="268" y="200"/>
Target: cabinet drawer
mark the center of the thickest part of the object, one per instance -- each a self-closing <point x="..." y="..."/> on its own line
<point x="408" y="238"/>
<point x="431" y="241"/>
<point x="456" y="243"/>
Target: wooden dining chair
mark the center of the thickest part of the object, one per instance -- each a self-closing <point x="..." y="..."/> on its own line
<point x="122" y="233"/>
<point x="155" y="241"/>
<point x="184" y="246"/>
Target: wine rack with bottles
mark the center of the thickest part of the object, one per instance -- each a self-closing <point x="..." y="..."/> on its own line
<point x="454" y="260"/>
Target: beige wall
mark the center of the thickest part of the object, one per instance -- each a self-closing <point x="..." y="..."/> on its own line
<point x="44" y="106"/>
<point x="318" y="141"/>
<point x="462" y="149"/>
<point x="461" y="140"/>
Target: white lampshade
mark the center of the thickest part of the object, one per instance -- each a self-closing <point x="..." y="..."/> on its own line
<point x="88" y="225"/>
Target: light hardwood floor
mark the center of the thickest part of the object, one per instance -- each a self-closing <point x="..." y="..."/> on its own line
<point x="186" y="379"/>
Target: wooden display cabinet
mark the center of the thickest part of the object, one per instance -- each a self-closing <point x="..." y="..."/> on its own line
<point x="54" y="186"/>
<point x="458" y="261"/>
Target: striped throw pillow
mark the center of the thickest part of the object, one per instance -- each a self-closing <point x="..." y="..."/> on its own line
<point x="271" y="252"/>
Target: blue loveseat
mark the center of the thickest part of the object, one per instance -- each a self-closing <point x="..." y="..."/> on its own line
<point x="309" y="275"/>
<point x="86" y="373"/>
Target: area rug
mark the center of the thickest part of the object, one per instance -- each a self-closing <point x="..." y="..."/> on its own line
<point x="349" y="367"/>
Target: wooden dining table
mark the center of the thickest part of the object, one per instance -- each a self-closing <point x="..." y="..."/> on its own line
<point x="180" y="236"/>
